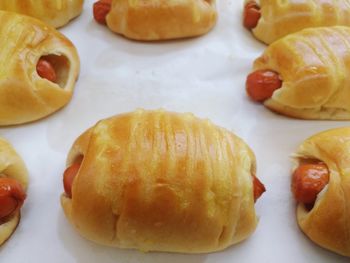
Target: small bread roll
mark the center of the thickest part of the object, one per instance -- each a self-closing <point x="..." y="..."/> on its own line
<point x="11" y="166"/>
<point x="280" y="18"/>
<point x="161" y="181"/>
<point x="327" y="223"/>
<point x="56" y="13"/>
<point x="161" y="19"/>
<point x="24" y="95"/>
<point x="313" y="65"/>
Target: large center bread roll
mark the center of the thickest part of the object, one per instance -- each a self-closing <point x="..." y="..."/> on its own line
<point x="161" y="181"/>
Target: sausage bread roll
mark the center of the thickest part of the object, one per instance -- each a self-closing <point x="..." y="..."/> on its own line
<point x="270" y="20"/>
<point x="13" y="184"/>
<point x="305" y="74"/>
<point x="321" y="186"/>
<point x="157" y="19"/>
<point x="56" y="13"/>
<point x="38" y="69"/>
<point x="161" y="181"/>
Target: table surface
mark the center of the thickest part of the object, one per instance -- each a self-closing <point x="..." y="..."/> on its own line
<point x="203" y="75"/>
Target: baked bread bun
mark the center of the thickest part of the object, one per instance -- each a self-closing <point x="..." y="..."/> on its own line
<point x="157" y="20"/>
<point x="305" y="74"/>
<point x="13" y="184"/>
<point x="326" y="221"/>
<point x="161" y="181"/>
<point x="276" y="19"/>
<point x="56" y="13"/>
<point x="39" y="68"/>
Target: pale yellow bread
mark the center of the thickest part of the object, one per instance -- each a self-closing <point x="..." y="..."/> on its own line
<point x="282" y="17"/>
<point x="161" y="19"/>
<point x="12" y="166"/>
<point x="314" y="65"/>
<point x="24" y="95"/>
<point x="7" y="228"/>
<point x="56" y="13"/>
<point x="161" y="181"/>
<point x="328" y="223"/>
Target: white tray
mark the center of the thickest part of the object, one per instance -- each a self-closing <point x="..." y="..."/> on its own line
<point x="203" y="75"/>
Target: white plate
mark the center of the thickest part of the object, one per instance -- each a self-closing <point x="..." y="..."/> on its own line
<point x="203" y="75"/>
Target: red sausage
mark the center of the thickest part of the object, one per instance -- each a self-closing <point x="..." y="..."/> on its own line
<point x="46" y="70"/>
<point x="308" y="181"/>
<point x="259" y="188"/>
<point x="251" y="15"/>
<point x="69" y="176"/>
<point x="12" y="196"/>
<point x="101" y="9"/>
<point x="261" y="84"/>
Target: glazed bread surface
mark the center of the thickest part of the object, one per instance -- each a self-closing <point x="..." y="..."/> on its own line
<point x="12" y="166"/>
<point x="314" y="65"/>
<point x="280" y="18"/>
<point x="24" y="95"/>
<point x="56" y="13"/>
<point x="328" y="223"/>
<point x="161" y="19"/>
<point x="161" y="181"/>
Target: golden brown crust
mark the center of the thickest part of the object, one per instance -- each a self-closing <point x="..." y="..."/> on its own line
<point x="24" y="95"/>
<point x="161" y="19"/>
<point x="154" y="180"/>
<point x="12" y="166"/>
<point x="328" y="223"/>
<point x="280" y="18"/>
<point x="56" y="13"/>
<point x="313" y="65"/>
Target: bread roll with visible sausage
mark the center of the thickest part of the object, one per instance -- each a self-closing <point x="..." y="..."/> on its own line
<point x="161" y="181"/>
<point x="328" y="221"/>
<point x="24" y="95"/>
<point x="280" y="18"/>
<point x="56" y="13"/>
<point x="11" y="166"/>
<point x="314" y="66"/>
<point x="161" y="19"/>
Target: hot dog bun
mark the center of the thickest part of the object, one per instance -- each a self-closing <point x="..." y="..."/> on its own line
<point x="280" y="18"/>
<point x="160" y="20"/>
<point x="327" y="224"/>
<point x="24" y="95"/>
<point x="11" y="165"/>
<point x="161" y="181"/>
<point x="314" y="66"/>
<point x="56" y="13"/>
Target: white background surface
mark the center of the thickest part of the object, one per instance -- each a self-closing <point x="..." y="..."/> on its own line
<point x="203" y="75"/>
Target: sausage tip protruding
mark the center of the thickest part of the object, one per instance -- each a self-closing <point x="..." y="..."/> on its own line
<point x="101" y="9"/>
<point x="258" y="188"/>
<point x="12" y="196"/>
<point x="261" y="84"/>
<point x="69" y="176"/>
<point x="308" y="181"/>
<point x="251" y="15"/>
<point x="46" y="70"/>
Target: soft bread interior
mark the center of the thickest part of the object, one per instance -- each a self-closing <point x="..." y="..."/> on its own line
<point x="61" y="65"/>
<point x="7" y="228"/>
<point x="63" y="69"/>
